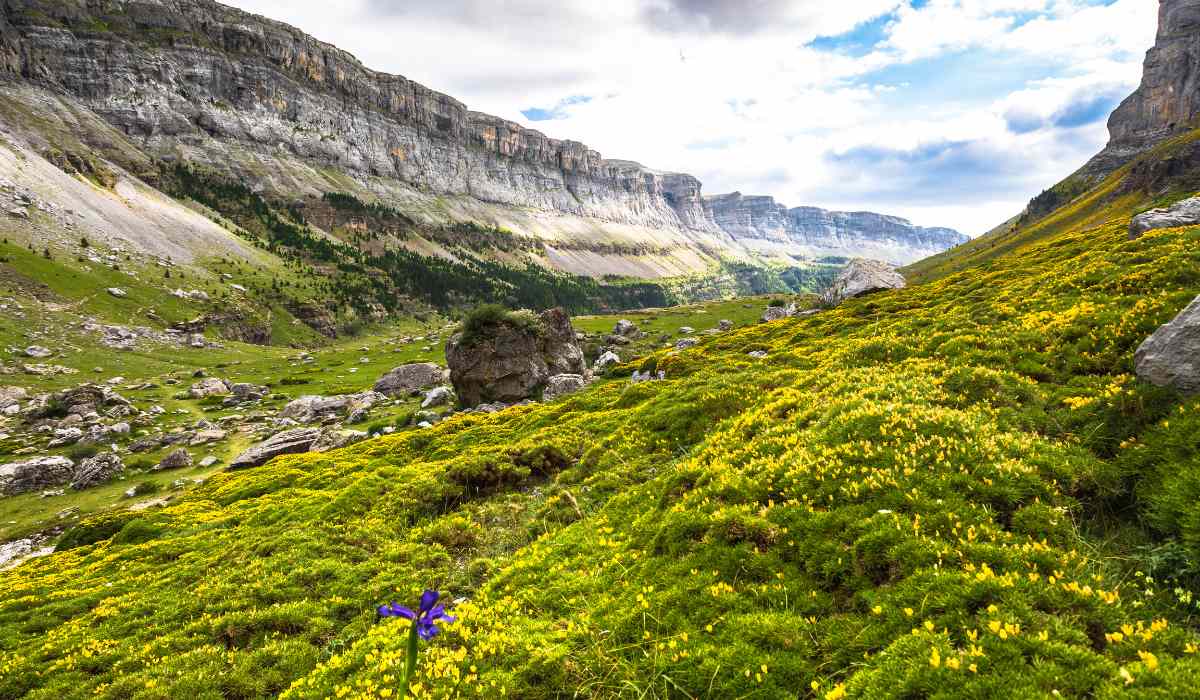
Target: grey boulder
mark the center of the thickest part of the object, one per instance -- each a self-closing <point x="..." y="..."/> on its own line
<point x="406" y="379"/>
<point x="1184" y="213"/>
<point x="97" y="470"/>
<point x="288" y="442"/>
<point x="177" y="459"/>
<point x="35" y="474"/>
<point x="1171" y="356"/>
<point x="778" y="313"/>
<point x="439" y="396"/>
<point x="862" y="276"/>
<point x="563" y="384"/>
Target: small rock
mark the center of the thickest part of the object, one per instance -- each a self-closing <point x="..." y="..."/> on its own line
<point x="38" y="352"/>
<point x="439" y="396"/>
<point x="178" y="459"/>
<point x="288" y="442"/>
<point x="208" y="461"/>
<point x="686" y="343"/>
<point x="97" y="470"/>
<point x="117" y="292"/>
<point x="605" y="361"/>
<point x="563" y="384"/>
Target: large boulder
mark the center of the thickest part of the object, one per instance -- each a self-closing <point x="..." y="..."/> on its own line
<point x="1171" y="357"/>
<point x="407" y="379"/>
<point x="510" y="359"/>
<point x="285" y="443"/>
<point x="97" y="470"/>
<point x="34" y="474"/>
<point x="862" y="276"/>
<point x="1185" y="213"/>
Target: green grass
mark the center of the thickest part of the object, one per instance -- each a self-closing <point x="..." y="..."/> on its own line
<point x="953" y="490"/>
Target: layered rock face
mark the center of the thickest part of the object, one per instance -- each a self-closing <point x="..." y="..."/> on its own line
<point x="765" y="225"/>
<point x="270" y="106"/>
<point x="1168" y="100"/>
<point x="196" y="77"/>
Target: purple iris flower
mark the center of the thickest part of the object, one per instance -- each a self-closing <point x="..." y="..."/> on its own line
<point x="425" y="618"/>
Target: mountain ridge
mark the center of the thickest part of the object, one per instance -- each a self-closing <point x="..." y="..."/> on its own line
<point x="266" y="103"/>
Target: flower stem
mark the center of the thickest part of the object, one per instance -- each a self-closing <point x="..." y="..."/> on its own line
<point x="410" y="668"/>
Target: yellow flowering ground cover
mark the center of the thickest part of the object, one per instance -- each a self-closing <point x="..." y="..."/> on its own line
<point x="954" y="490"/>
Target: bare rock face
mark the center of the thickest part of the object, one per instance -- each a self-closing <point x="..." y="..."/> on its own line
<point x="1185" y="213"/>
<point x="863" y="277"/>
<point x="816" y="232"/>
<point x="511" y="362"/>
<point x="1168" y="100"/>
<point x="285" y="443"/>
<point x="407" y="379"/>
<point x="1171" y="357"/>
<point x="97" y="470"/>
<point x="35" y="474"/>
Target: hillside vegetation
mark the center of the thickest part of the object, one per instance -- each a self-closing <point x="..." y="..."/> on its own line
<point x="954" y="490"/>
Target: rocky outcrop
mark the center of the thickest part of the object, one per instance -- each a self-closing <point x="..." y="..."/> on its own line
<point x="1168" y="99"/>
<point x="1171" y="357"/>
<point x="176" y="459"/>
<point x="34" y="474"/>
<point x="778" y="313"/>
<point x="407" y="379"/>
<point x="1185" y="213"/>
<point x="310" y="409"/>
<point x="285" y="443"/>
<point x="510" y="360"/>
<point x="862" y="277"/>
<point x="763" y="224"/>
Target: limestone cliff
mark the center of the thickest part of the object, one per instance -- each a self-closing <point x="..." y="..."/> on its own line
<point x="762" y="224"/>
<point x="293" y="117"/>
<point x="1168" y="100"/>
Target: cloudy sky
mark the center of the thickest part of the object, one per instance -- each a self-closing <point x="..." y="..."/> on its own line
<point x="948" y="112"/>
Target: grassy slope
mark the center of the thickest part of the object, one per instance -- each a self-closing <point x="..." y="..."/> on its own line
<point x="956" y="490"/>
<point x="1088" y="210"/>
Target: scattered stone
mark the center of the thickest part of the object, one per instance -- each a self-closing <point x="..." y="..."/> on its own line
<point x="758" y="354"/>
<point x="605" y="361"/>
<point x="337" y="439"/>
<point x="778" y="313"/>
<point x="1185" y="213"/>
<point x="38" y="352"/>
<point x="97" y="470"/>
<point x="117" y="292"/>
<point x="204" y="437"/>
<point x="208" y="461"/>
<point x="439" y="396"/>
<point x="35" y="474"/>
<point x="647" y="376"/>
<point x="288" y="442"/>
<point x="724" y="325"/>
<point x="1171" y="356"/>
<point x="209" y="387"/>
<point x="686" y="330"/>
<point x="686" y="343"/>
<point x="178" y="459"/>
<point x="310" y="409"/>
<point x="563" y="384"/>
<point x="407" y="379"/>
<point x="66" y="436"/>
<point x="625" y="328"/>
<point x="19" y="213"/>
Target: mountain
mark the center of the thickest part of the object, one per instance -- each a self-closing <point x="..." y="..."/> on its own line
<point x="261" y="104"/>
<point x="762" y="225"/>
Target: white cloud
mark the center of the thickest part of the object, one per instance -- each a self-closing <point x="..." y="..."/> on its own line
<point x="732" y="92"/>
